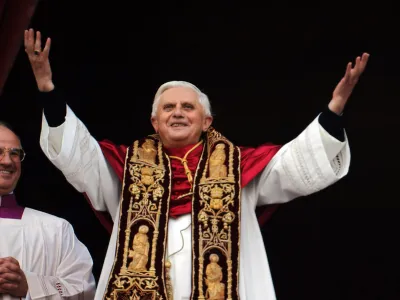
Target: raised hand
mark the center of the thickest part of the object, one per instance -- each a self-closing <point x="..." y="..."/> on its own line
<point x="12" y="278"/>
<point x="345" y="87"/>
<point x="39" y="59"/>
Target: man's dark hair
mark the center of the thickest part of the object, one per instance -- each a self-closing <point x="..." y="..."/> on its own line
<point x="7" y="125"/>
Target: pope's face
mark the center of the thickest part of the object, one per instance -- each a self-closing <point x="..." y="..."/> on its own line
<point x="180" y="118"/>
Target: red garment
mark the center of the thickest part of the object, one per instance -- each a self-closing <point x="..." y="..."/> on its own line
<point x="180" y="183"/>
<point x="253" y="161"/>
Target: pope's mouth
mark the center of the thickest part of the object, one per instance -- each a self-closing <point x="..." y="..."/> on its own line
<point x="175" y="125"/>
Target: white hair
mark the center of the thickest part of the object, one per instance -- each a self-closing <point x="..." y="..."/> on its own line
<point x="203" y="98"/>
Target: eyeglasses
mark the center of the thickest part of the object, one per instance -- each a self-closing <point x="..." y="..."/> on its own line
<point x="16" y="154"/>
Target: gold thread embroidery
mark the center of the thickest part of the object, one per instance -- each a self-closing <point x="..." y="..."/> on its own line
<point x="217" y="166"/>
<point x="215" y="215"/>
<point x="140" y="250"/>
<point x="215" y="288"/>
<point x="168" y="281"/>
<point x="137" y="277"/>
<point x="148" y="152"/>
<point x="219" y="208"/>
<point x="185" y="165"/>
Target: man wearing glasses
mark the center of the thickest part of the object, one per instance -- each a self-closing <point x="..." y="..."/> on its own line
<point x="40" y="256"/>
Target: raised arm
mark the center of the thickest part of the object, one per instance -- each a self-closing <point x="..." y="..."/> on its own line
<point x="65" y="140"/>
<point x="315" y="159"/>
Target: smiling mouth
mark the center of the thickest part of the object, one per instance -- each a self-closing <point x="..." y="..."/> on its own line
<point x="178" y="125"/>
<point x="6" y="173"/>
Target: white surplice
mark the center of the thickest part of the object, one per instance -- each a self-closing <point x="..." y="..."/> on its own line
<point x="307" y="164"/>
<point x="56" y="264"/>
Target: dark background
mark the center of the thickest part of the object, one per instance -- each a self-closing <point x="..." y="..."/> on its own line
<point x="269" y="68"/>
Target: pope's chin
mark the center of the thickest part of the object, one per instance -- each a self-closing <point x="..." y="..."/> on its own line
<point x="178" y="130"/>
<point x="179" y="134"/>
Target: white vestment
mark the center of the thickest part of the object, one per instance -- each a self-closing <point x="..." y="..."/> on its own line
<point x="309" y="163"/>
<point x="56" y="264"/>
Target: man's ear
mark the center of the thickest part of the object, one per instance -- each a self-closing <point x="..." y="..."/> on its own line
<point x="154" y="122"/>
<point x="207" y="122"/>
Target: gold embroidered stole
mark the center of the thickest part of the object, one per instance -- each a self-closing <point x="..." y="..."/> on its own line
<point x="216" y="222"/>
<point x="139" y="266"/>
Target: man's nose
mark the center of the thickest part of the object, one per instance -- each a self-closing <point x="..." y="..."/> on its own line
<point x="178" y="111"/>
<point x="5" y="159"/>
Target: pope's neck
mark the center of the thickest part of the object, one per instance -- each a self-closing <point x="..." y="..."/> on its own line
<point x="179" y="145"/>
<point x="171" y="144"/>
<point x="182" y="150"/>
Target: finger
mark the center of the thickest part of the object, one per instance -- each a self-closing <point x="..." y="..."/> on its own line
<point x="358" y="61"/>
<point x="9" y="267"/>
<point x="8" y="287"/>
<point x="357" y="67"/>
<point x="46" y="49"/>
<point x="38" y="42"/>
<point x="26" y="38"/>
<point x="29" y="41"/>
<point x="5" y="269"/>
<point x="364" y="60"/>
<point x="12" y="260"/>
<point x="3" y="281"/>
<point x="11" y="277"/>
<point x="348" y="72"/>
<point x="365" y="56"/>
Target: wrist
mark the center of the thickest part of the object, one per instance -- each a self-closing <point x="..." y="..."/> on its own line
<point x="335" y="108"/>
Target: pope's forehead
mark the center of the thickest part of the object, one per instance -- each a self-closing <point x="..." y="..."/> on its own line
<point x="179" y="93"/>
